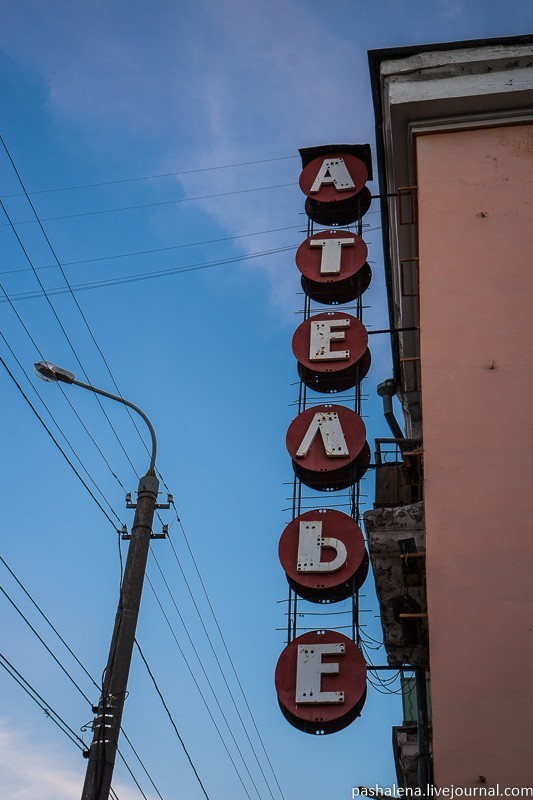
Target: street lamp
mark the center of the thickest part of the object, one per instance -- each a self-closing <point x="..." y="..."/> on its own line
<point x="107" y="722"/>
<point x="52" y="373"/>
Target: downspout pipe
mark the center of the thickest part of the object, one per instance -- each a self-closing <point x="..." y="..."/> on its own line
<point x="422" y="725"/>
<point x="387" y="390"/>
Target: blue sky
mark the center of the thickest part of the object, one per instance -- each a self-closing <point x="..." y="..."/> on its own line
<point x="99" y="92"/>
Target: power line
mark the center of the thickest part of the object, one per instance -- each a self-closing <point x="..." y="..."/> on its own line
<point x="117" y="387"/>
<point x="150" y="205"/>
<point x="79" y="287"/>
<point x="154" y="250"/>
<point x="55" y="630"/>
<point x="79" y="308"/>
<point x="41" y="702"/>
<point x="67" y="440"/>
<point x="165" y="706"/>
<point x="41" y="612"/>
<point x="52" y="250"/>
<point x="80" y="664"/>
<point x="137" y="784"/>
<point x="34" y="631"/>
<point x="70" y="289"/>
<point x="154" y="177"/>
<point x="228" y="654"/>
<point x="79" y="361"/>
<point x="193" y="676"/>
<point x="140" y="761"/>
<point x="62" y="327"/>
<point x="63" y="392"/>
<point x="49" y="432"/>
<point x="85" y="320"/>
<point x="221" y="671"/>
<point x="51" y="714"/>
<point x="198" y="685"/>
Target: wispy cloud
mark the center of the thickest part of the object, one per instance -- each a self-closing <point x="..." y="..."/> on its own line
<point x="200" y="84"/>
<point x="32" y="769"/>
<point x="278" y="76"/>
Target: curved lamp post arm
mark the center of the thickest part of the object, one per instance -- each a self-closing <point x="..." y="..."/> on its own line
<point x="125" y="402"/>
<point x="51" y="372"/>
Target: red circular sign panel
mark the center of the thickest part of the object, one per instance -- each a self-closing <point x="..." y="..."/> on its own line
<point x="315" y="343"/>
<point x="350" y="680"/>
<point x="354" y="340"/>
<point x="316" y="459"/>
<point x="318" y="469"/>
<point x="352" y="259"/>
<point x="329" y="525"/>
<point x="328" y="192"/>
<point x="343" y="212"/>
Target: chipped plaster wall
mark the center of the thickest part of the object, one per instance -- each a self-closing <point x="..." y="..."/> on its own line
<point x="385" y="527"/>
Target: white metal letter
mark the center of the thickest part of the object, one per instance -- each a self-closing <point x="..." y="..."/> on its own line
<point x="329" y="425"/>
<point x="330" y="262"/>
<point x="310" y="544"/>
<point x="322" y="334"/>
<point x="333" y="171"/>
<point x="310" y="668"/>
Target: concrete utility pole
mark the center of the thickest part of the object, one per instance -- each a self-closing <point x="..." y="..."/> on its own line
<point x="106" y="726"/>
<point x="107" y="722"/>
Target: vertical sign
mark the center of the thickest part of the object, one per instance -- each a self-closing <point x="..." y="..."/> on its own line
<point x="321" y="675"/>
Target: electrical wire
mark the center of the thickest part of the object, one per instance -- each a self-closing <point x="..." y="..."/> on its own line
<point x="137" y="784"/>
<point x="46" y="619"/>
<point x="153" y="177"/>
<point x="85" y="320"/>
<point x="213" y="650"/>
<point x="226" y="649"/>
<point x="177" y="518"/>
<point x="49" y="712"/>
<point x="331" y="628"/>
<point x="127" y="738"/>
<point x="47" y="648"/>
<point x="175" y="727"/>
<point x="80" y="664"/>
<point x="193" y="676"/>
<point x="67" y="337"/>
<point x="9" y="299"/>
<point x="52" y="250"/>
<point x="99" y="349"/>
<point x="18" y="386"/>
<point x="228" y="654"/>
<point x="158" y="203"/>
<point x="79" y="287"/>
<point x="205" y="675"/>
<point x="379" y="684"/>
<point x="88" y="489"/>
<point x="62" y="327"/>
<point x="18" y="609"/>
<point x="49" y="432"/>
<point x="41" y="702"/>
<point x="153" y="250"/>
<point x="67" y="440"/>
<point x="44" y="232"/>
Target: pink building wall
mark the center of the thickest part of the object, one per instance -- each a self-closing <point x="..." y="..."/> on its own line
<point x="476" y="305"/>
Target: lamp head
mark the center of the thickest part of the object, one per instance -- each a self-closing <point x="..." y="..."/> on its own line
<point x="50" y="372"/>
